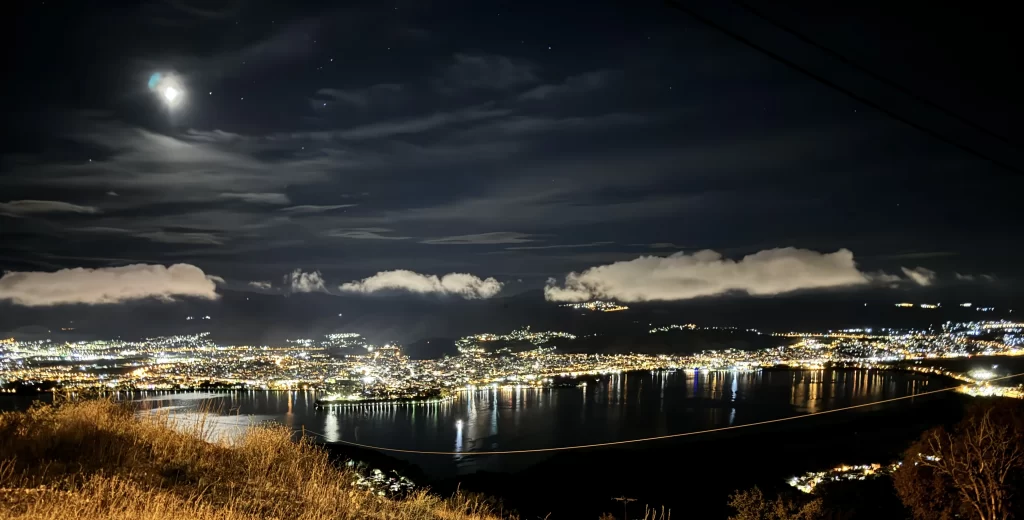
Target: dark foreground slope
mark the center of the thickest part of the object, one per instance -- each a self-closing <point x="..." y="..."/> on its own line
<point x="694" y="476"/>
<point x="98" y="460"/>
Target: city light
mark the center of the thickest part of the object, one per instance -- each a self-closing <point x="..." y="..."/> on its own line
<point x="810" y="480"/>
<point x="597" y="306"/>
<point x="349" y="371"/>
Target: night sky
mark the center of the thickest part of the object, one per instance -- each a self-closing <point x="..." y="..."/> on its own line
<point x="315" y="145"/>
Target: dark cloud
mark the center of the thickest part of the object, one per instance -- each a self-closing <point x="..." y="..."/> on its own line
<point x="486" y="71"/>
<point x="306" y="209"/>
<point x="258" y="198"/>
<point x="171" y="237"/>
<point x="494" y="237"/>
<point x="365" y="234"/>
<point x="34" y="207"/>
<point x="558" y="246"/>
<point x="439" y="131"/>
<point x="359" y="97"/>
<point x="580" y="84"/>
<point x="289" y="41"/>
<point x="203" y="10"/>
<point x="165" y="166"/>
<point x="417" y="125"/>
<point x="161" y="236"/>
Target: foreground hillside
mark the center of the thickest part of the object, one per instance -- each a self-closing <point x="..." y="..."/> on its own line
<point x="98" y="460"/>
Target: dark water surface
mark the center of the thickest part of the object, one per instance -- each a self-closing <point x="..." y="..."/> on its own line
<point x="692" y="475"/>
<point x="615" y="408"/>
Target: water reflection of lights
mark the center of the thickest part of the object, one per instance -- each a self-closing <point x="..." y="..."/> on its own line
<point x="332" y="432"/>
<point x="981" y="374"/>
<point x="494" y="414"/>
<point x="458" y="435"/>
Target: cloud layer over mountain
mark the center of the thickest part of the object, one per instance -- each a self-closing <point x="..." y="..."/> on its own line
<point x="467" y="286"/>
<point x="920" y="275"/>
<point x="301" y="282"/>
<point x="107" y="285"/>
<point x="707" y="273"/>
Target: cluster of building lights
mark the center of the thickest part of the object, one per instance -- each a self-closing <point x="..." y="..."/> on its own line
<point x="350" y="370"/>
<point x="939" y="306"/>
<point x="597" y="306"/>
<point x="478" y="343"/>
<point x="693" y="326"/>
<point x="810" y="480"/>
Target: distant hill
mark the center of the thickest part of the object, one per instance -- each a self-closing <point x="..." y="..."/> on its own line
<point x="241" y="317"/>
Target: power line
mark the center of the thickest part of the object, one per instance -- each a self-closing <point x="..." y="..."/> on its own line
<point x="864" y="70"/>
<point x="648" y="439"/>
<point x="849" y="93"/>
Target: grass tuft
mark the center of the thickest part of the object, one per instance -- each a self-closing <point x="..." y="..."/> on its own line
<point x="97" y="459"/>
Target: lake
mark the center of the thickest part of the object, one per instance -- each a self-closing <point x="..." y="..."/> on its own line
<point x="613" y="408"/>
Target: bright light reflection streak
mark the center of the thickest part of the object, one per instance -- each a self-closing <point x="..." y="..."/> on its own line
<point x="662" y="437"/>
<point x="458" y="437"/>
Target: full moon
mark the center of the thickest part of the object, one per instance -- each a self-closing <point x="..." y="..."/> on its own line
<point x="168" y="88"/>
<point x="170" y="94"/>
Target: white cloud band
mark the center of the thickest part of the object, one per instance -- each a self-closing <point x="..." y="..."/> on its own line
<point x="302" y="282"/>
<point x="458" y="284"/>
<point x="920" y="275"/>
<point x="707" y="273"/>
<point x="107" y="285"/>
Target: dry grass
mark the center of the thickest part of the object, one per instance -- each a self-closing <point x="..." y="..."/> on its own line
<point x="98" y="460"/>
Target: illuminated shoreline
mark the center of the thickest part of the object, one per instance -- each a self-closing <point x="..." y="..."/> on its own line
<point x="350" y="370"/>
